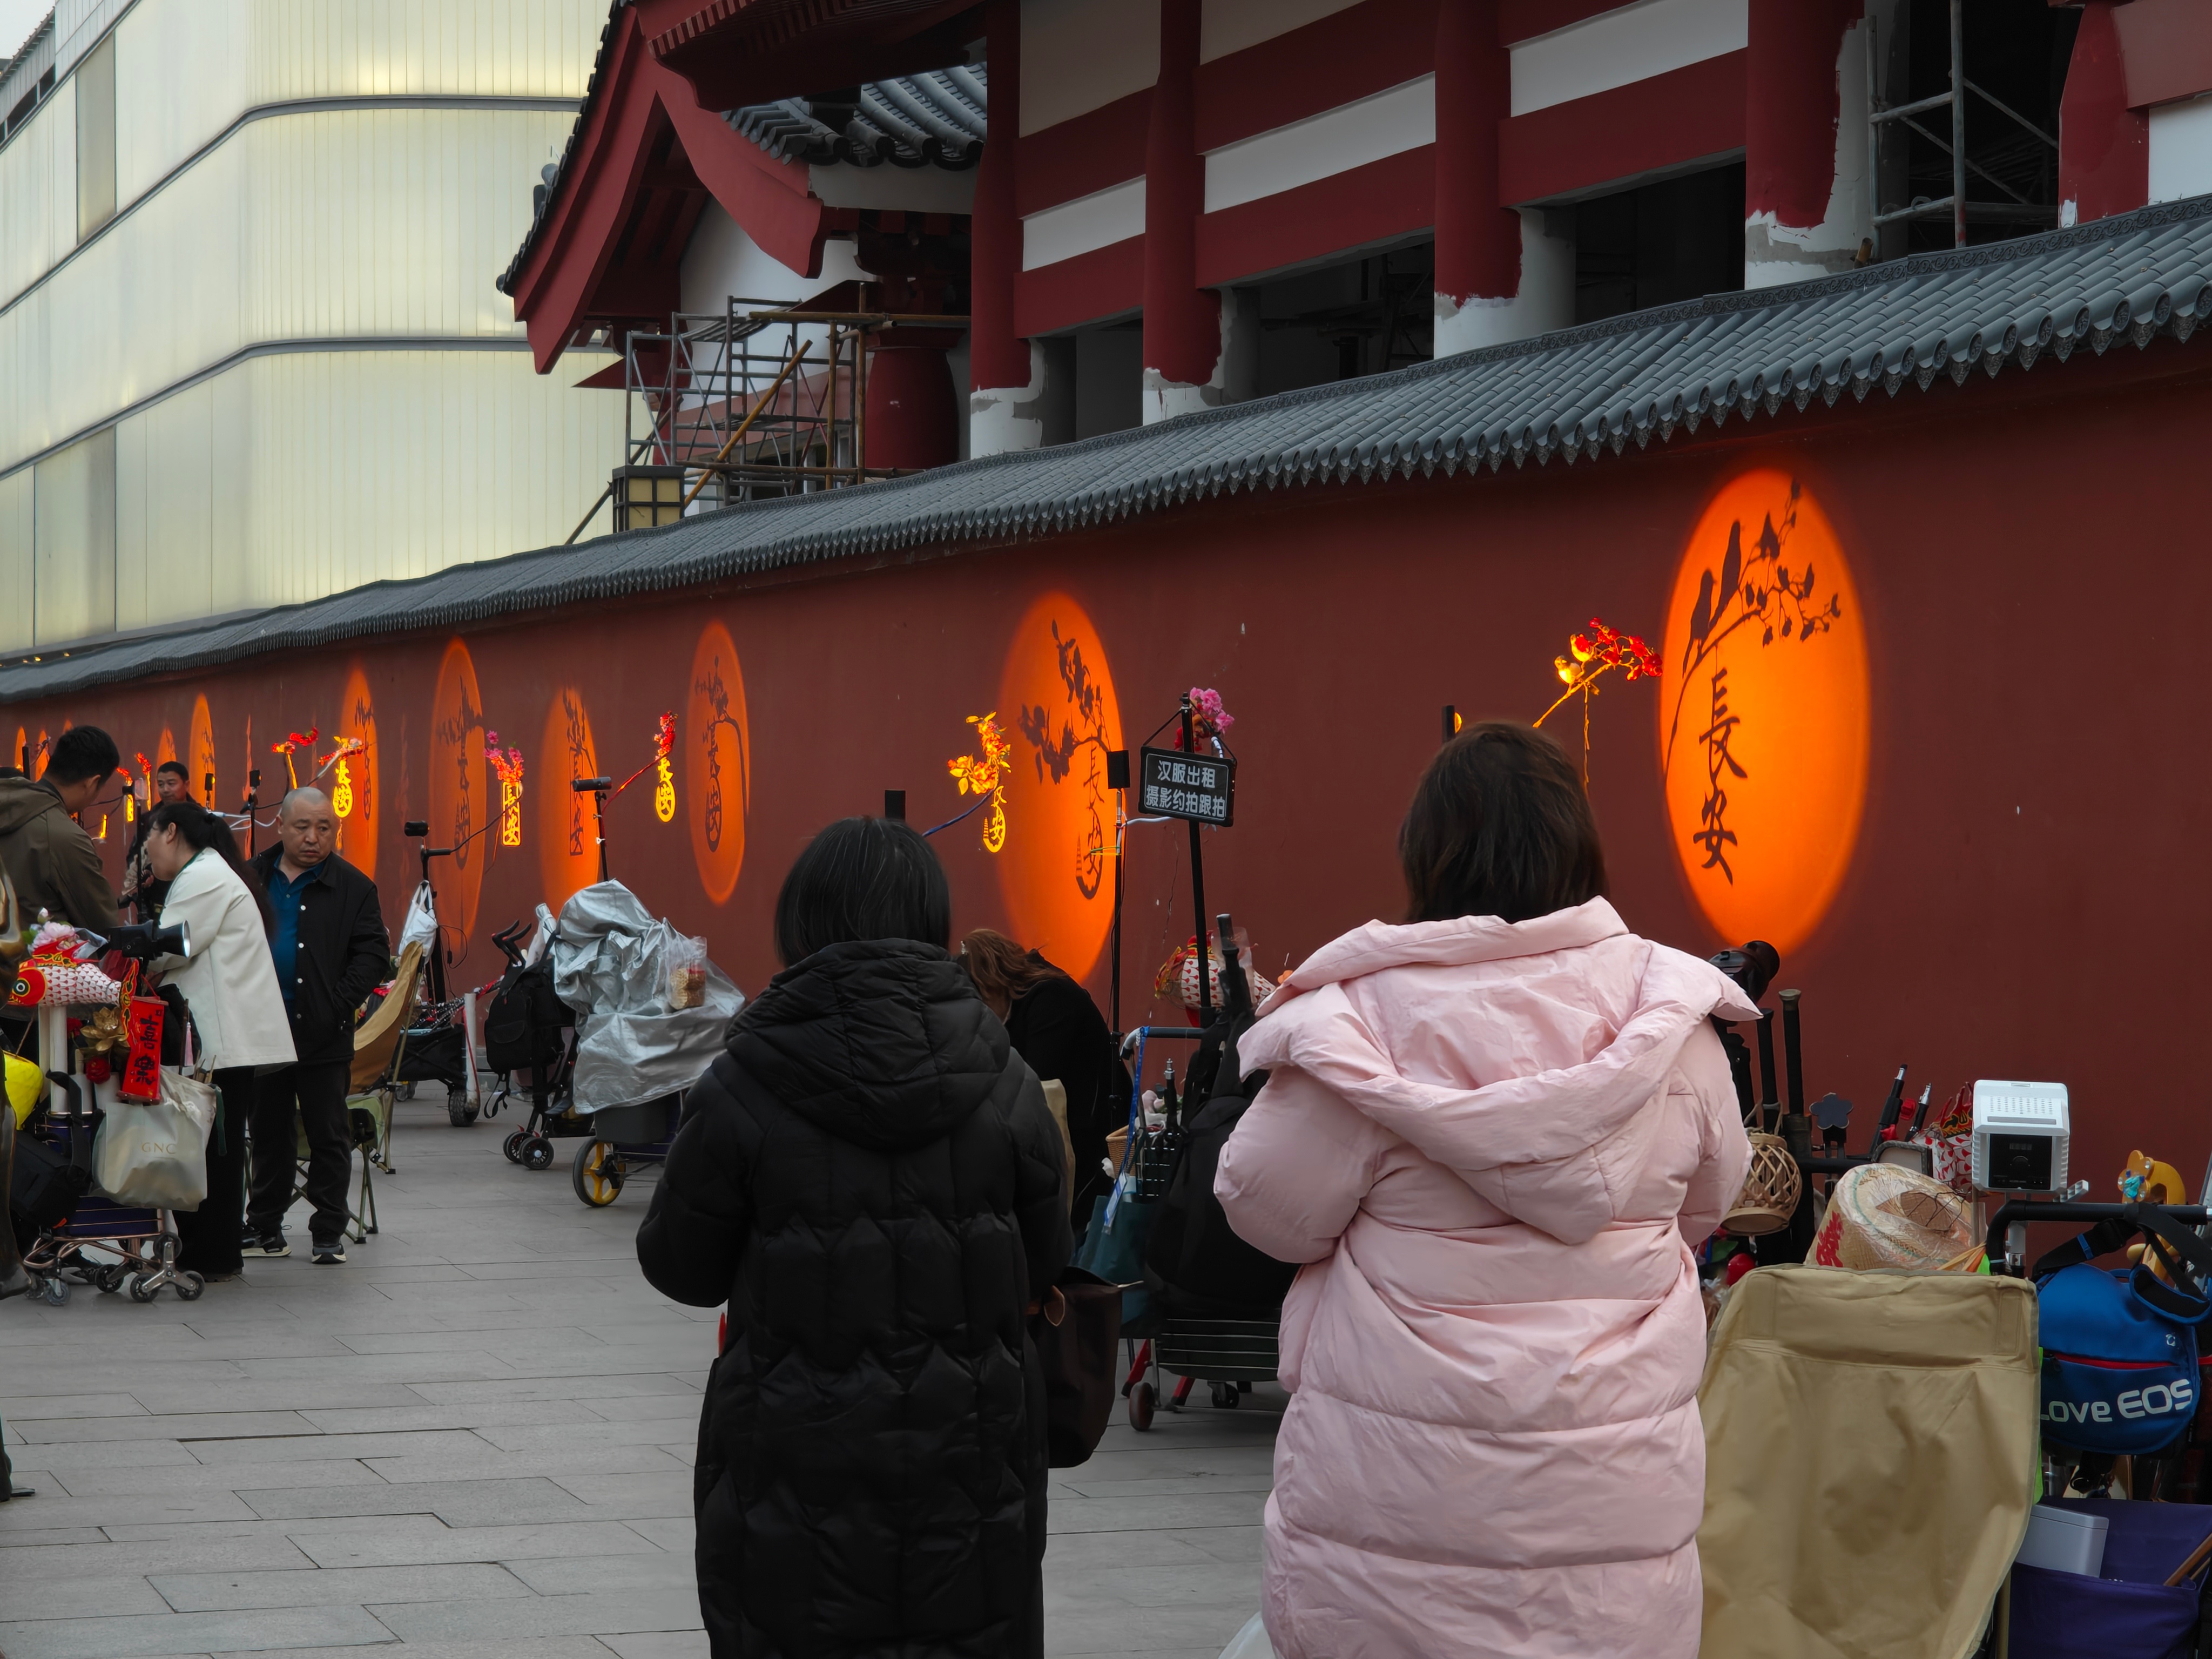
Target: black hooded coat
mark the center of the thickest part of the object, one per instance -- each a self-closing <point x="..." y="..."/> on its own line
<point x="869" y="1176"/>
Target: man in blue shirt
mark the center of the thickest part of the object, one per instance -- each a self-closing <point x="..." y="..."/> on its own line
<point x="330" y="951"/>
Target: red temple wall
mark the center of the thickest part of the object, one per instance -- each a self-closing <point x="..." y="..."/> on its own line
<point x="2022" y="896"/>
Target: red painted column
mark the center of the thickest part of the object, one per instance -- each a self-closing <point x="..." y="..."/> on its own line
<point x="998" y="357"/>
<point x="1499" y="278"/>
<point x="1478" y="238"/>
<point x="1793" y="224"/>
<point x="2104" y="146"/>
<point x="1183" y="321"/>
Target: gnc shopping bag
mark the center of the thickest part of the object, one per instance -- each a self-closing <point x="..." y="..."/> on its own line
<point x="155" y="1154"/>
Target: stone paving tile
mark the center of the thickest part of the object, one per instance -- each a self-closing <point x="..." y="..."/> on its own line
<point x="187" y="1553"/>
<point x="57" y="1454"/>
<point x="660" y="1645"/>
<point x="165" y="1394"/>
<point x="633" y="1497"/>
<point x="51" y="1509"/>
<point x="179" y="1425"/>
<point x="146" y="1634"/>
<point x="436" y="1443"/>
<point x="225" y="1477"/>
<point x="458" y="1502"/>
<point x="475" y="1414"/>
<point x="551" y="1540"/>
<point x="527" y="1647"/>
<point x="645" y="1431"/>
<point x="69" y="1405"/>
<point x="623" y="1386"/>
<point x="659" y="1571"/>
<point x="213" y="1592"/>
<point x="544" y="1615"/>
<point x="74" y="1593"/>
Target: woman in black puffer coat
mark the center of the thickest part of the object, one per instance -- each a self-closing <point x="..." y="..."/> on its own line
<point x="870" y="1177"/>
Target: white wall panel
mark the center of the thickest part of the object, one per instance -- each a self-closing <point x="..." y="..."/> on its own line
<point x="73" y="536"/>
<point x="16" y="561"/>
<point x="1227" y="26"/>
<point x="1624" y="45"/>
<point x="2181" y="149"/>
<point x="1099" y="220"/>
<point x="1336" y="141"/>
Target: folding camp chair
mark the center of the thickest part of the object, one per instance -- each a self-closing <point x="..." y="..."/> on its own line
<point x="379" y="1045"/>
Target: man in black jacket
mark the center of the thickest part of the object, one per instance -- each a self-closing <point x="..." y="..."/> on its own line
<point x="330" y="951"/>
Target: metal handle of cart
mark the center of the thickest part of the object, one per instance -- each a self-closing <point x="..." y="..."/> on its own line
<point x="2007" y="1241"/>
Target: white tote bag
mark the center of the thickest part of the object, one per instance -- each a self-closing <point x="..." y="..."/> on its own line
<point x="153" y="1154"/>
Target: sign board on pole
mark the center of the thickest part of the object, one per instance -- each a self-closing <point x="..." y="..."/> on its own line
<point x="1199" y="788"/>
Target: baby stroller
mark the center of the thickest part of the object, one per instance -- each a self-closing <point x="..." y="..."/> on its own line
<point x="529" y="1034"/>
<point x="650" y="1018"/>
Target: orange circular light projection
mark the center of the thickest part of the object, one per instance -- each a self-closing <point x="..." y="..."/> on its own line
<point x="166" y="749"/>
<point x="1764" y="717"/>
<point x="459" y="804"/>
<point x="718" y="766"/>
<point x="352" y="781"/>
<point x="1057" y="707"/>
<point x="201" y="781"/>
<point x="568" y="831"/>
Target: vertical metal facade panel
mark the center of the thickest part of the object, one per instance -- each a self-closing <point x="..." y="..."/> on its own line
<point x="165" y="488"/>
<point x="15" y="577"/>
<point x="387" y="48"/>
<point x="38" y="193"/>
<point x="180" y="79"/>
<point x="346" y="224"/>
<point x="73" y="531"/>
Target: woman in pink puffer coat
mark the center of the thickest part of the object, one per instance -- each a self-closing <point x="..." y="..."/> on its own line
<point x="1492" y="1134"/>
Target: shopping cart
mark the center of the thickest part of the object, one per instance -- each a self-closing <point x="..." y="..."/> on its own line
<point x="99" y="1242"/>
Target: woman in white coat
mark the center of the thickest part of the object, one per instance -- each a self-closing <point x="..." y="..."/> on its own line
<point x="229" y="985"/>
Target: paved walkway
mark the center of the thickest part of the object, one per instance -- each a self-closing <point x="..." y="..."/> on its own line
<point x="473" y="1442"/>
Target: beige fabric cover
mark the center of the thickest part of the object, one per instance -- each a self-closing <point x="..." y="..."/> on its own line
<point x="1870" y="1446"/>
<point x="378" y="1036"/>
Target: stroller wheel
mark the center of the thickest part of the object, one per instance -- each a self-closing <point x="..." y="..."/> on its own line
<point x="513" y="1145"/>
<point x="54" y="1289"/>
<point x="1142" y="1401"/>
<point x="138" y="1290"/>
<point x="1223" y="1395"/>
<point x="111" y="1280"/>
<point x="597" y="1173"/>
<point x="189" y="1287"/>
<point x="537" y="1154"/>
<point x="459" y="1110"/>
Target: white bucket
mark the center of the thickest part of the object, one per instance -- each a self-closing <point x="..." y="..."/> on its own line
<point x="2064" y="1541"/>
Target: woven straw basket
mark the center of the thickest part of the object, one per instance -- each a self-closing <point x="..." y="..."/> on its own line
<point x="1772" y="1186"/>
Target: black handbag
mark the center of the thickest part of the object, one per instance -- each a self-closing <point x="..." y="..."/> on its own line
<point x="1077" y="1327"/>
<point x="44" y="1186"/>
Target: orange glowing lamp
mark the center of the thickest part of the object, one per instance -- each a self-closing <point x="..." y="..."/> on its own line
<point x="664" y="786"/>
<point x="342" y="786"/>
<point x="1589" y="657"/>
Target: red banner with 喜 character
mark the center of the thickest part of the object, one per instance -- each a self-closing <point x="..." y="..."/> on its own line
<point x="142" y="1066"/>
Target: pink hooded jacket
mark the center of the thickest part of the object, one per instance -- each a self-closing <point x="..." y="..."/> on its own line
<point x="1493" y="1144"/>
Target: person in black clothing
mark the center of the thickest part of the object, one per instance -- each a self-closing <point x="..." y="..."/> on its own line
<point x="1057" y="1028"/>
<point x="868" y="1175"/>
<point x="331" y="951"/>
<point x="141" y="887"/>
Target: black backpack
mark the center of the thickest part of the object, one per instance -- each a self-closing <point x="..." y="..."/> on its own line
<point x="524" y="1025"/>
<point x="1194" y="1261"/>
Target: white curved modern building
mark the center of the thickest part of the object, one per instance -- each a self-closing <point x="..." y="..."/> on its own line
<point x="250" y="349"/>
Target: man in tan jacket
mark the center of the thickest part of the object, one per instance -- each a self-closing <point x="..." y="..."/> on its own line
<point x="51" y="862"/>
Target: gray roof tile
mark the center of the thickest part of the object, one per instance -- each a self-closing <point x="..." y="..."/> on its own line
<point x="1573" y="395"/>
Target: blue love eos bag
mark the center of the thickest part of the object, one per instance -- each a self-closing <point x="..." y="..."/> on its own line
<point x="2119" y="1375"/>
<point x="2119" y="1348"/>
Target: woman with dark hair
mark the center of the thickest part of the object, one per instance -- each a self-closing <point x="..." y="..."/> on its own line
<point x="1492" y="1134"/>
<point x="229" y="985"/>
<point x="869" y="1176"/>
<point x="1057" y="1028"/>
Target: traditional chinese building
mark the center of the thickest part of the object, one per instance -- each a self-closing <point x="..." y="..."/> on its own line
<point x="1909" y="542"/>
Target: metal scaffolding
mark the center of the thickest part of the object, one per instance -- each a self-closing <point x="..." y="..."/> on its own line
<point x="757" y="400"/>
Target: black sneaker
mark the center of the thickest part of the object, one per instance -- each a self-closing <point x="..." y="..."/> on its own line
<point x="267" y="1244"/>
<point x="331" y="1254"/>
